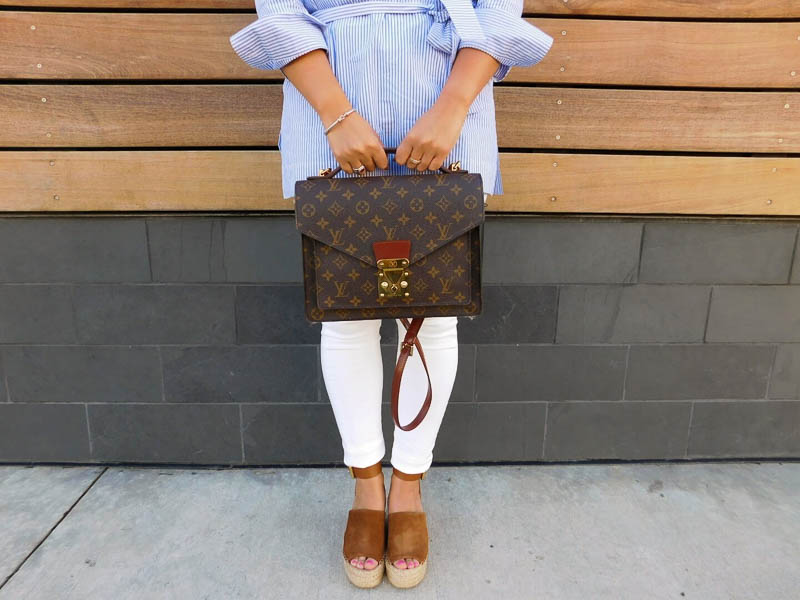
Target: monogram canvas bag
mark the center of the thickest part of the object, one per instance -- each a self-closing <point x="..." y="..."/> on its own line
<point x="392" y="246"/>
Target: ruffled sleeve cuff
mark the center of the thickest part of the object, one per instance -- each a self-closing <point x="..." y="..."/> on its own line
<point x="277" y="39"/>
<point x="510" y="39"/>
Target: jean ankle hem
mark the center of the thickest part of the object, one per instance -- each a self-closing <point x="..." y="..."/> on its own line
<point x="365" y="457"/>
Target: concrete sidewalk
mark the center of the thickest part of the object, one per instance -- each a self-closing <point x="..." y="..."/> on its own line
<point x="568" y="532"/>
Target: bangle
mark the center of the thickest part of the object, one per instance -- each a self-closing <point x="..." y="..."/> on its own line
<point x="339" y="119"/>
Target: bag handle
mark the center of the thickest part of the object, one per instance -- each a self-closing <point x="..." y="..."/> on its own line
<point x="454" y="167"/>
<point x="406" y="347"/>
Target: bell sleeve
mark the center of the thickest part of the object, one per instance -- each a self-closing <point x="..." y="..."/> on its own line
<point x="284" y="31"/>
<point x="509" y="38"/>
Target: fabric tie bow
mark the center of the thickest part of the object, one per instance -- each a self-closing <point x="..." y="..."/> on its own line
<point x="462" y="23"/>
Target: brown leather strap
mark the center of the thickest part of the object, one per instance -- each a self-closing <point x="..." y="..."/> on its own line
<point x="407" y="476"/>
<point x="366" y="472"/>
<point x="409" y="342"/>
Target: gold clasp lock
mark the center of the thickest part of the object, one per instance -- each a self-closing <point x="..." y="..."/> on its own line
<point x="392" y="277"/>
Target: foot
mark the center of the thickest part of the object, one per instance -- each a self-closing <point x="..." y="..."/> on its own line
<point x="405" y="495"/>
<point x="370" y="493"/>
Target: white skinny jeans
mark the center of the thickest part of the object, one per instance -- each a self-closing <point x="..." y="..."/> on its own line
<point x="352" y="368"/>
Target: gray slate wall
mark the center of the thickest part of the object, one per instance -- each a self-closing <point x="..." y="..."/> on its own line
<point x="181" y="339"/>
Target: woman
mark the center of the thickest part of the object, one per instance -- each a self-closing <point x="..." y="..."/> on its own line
<point x="361" y="76"/>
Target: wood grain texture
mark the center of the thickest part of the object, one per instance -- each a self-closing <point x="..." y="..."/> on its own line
<point x="527" y="117"/>
<point x="139" y="115"/>
<point x="548" y="182"/>
<point x="729" y="9"/>
<point x="667" y="120"/>
<point x="107" y="135"/>
<point x="132" y="46"/>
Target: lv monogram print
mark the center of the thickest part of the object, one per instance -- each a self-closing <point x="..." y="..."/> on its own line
<point x="340" y="218"/>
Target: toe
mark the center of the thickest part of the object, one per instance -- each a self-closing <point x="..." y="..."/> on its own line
<point x="400" y="564"/>
<point x="370" y="564"/>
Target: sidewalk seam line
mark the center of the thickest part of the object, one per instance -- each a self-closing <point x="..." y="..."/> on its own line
<point x="64" y="516"/>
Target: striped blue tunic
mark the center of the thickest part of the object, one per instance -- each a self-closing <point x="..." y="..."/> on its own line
<point x="392" y="59"/>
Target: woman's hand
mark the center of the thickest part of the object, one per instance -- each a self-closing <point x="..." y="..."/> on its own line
<point x="433" y="135"/>
<point x="437" y="130"/>
<point x="354" y="142"/>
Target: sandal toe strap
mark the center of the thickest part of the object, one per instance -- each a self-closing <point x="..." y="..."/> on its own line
<point x="365" y="534"/>
<point x="408" y="536"/>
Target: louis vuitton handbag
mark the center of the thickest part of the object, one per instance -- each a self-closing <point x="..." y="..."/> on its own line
<point x="392" y="246"/>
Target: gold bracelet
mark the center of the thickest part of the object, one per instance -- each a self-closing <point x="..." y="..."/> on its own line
<point x="339" y="119"/>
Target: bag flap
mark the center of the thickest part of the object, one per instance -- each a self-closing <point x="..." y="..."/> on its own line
<point x="350" y="213"/>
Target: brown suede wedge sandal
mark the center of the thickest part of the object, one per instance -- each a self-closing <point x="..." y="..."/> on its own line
<point x="407" y="538"/>
<point x="365" y="535"/>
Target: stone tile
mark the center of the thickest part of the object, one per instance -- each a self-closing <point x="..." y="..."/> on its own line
<point x="786" y="373"/>
<point x="463" y="386"/>
<point x="273" y="314"/>
<point x="290" y="433"/>
<point x="757" y="313"/>
<point x="632" y="313"/>
<point x="495" y="431"/>
<point x="512" y="314"/>
<point x="43" y="432"/>
<point x="745" y="429"/>
<point x="264" y="249"/>
<point x="187" y="249"/>
<point x="523" y="373"/>
<point x="3" y="385"/>
<point x="36" y="314"/>
<point x="528" y="249"/>
<point x="795" y="275"/>
<point x="33" y="499"/>
<point x="83" y="374"/>
<point x="166" y="433"/>
<point x="57" y="249"/>
<point x="155" y="314"/>
<point x="388" y="331"/>
<point x="727" y="252"/>
<point x="694" y="371"/>
<point x="616" y="430"/>
<point x="240" y="374"/>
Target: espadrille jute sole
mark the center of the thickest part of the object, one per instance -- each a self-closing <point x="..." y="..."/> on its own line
<point x="405" y="578"/>
<point x="364" y="578"/>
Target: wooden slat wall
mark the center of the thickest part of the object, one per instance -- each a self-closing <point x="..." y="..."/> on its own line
<point x="668" y="107"/>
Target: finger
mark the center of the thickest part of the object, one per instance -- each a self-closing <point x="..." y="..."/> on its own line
<point x="413" y="154"/>
<point x="367" y="161"/>
<point x="346" y="165"/>
<point x="403" y="152"/>
<point x="380" y="158"/>
<point x="437" y="161"/>
<point x="427" y="157"/>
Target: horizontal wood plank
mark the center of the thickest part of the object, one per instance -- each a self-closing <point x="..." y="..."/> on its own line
<point x="527" y="117"/>
<point x="729" y="9"/>
<point x="615" y="119"/>
<point x="139" y="115"/>
<point x="548" y="182"/>
<point x="101" y="46"/>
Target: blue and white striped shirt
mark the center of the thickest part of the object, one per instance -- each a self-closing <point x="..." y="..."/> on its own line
<point x="392" y="59"/>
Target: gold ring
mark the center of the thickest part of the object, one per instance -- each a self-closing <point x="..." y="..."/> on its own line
<point x="415" y="160"/>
